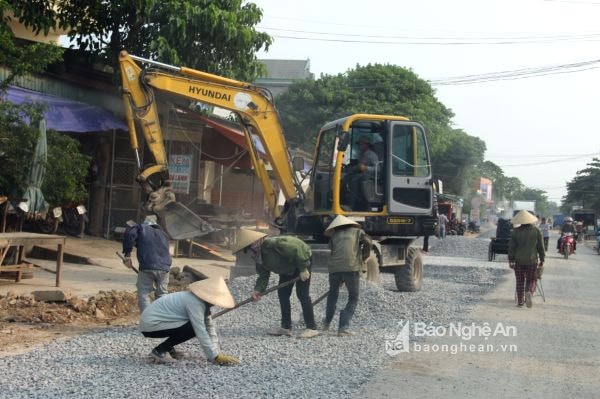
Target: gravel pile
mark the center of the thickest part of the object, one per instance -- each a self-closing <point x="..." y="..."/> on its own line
<point x="112" y="363"/>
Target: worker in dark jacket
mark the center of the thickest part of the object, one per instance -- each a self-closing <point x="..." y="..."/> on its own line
<point x="347" y="243"/>
<point x="525" y="255"/>
<point x="153" y="256"/>
<point x="289" y="257"/>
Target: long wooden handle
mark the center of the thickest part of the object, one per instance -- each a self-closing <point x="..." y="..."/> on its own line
<point x="246" y="301"/>
<point x="123" y="258"/>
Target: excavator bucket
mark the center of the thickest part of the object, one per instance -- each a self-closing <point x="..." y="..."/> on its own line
<point x="181" y="223"/>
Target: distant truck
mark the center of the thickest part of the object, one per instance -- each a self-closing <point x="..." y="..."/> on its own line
<point x="588" y="218"/>
<point x="523" y="205"/>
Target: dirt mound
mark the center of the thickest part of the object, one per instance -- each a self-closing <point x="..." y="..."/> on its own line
<point x="101" y="308"/>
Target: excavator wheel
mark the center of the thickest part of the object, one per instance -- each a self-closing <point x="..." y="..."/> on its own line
<point x="410" y="276"/>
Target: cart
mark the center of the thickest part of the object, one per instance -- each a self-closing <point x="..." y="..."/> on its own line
<point x="499" y="244"/>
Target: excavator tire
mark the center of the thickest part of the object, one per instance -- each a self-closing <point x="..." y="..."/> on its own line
<point x="409" y="277"/>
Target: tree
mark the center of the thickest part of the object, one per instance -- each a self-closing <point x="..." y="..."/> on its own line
<point x="24" y="58"/>
<point x="217" y="36"/>
<point x="583" y="189"/>
<point x="378" y="89"/>
<point x="454" y="166"/>
<point x="66" y="167"/>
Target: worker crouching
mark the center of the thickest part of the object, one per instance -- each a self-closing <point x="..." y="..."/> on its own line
<point x="347" y="243"/>
<point x="525" y="247"/>
<point x="181" y="316"/>
<point x="290" y="258"/>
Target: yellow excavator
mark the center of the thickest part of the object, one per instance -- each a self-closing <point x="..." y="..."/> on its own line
<point x="374" y="169"/>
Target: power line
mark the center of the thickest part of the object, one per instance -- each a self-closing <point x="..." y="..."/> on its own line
<point x="584" y="37"/>
<point x="421" y="42"/>
<point x="518" y="73"/>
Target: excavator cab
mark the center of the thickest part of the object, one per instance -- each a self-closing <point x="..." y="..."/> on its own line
<point x="371" y="165"/>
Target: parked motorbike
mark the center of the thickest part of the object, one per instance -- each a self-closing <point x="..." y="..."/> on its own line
<point x="70" y="219"/>
<point x="567" y="245"/>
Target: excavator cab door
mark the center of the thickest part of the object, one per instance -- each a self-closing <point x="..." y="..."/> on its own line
<point x="409" y="188"/>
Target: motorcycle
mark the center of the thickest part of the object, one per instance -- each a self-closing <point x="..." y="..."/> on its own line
<point x="71" y="219"/>
<point x="567" y="245"/>
<point x="598" y="241"/>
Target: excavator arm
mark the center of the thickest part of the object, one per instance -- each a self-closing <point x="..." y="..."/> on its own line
<point x="253" y="105"/>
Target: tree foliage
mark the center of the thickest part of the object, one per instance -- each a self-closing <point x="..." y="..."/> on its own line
<point x="69" y="168"/>
<point x="216" y="36"/>
<point x="23" y="58"/>
<point x="584" y="189"/>
<point x="17" y="143"/>
<point x="66" y="167"/>
<point x="382" y="89"/>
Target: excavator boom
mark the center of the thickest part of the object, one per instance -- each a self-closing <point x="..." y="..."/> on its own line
<point x="253" y="105"/>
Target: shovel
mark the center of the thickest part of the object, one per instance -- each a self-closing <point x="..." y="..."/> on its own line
<point x="246" y="301"/>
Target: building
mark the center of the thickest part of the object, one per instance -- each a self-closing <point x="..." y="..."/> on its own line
<point x="282" y="73"/>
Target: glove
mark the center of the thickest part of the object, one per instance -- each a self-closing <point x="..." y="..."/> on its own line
<point x="225" y="360"/>
<point x="305" y="275"/>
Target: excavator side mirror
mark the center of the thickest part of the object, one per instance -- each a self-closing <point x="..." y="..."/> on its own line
<point x="298" y="164"/>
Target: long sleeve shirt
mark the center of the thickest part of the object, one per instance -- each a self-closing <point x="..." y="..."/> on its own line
<point x="346" y="254"/>
<point x="174" y="310"/>
<point x="526" y="245"/>
<point x="284" y="255"/>
<point x="152" y="246"/>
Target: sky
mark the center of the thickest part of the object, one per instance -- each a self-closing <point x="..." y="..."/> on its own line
<point x="539" y="122"/>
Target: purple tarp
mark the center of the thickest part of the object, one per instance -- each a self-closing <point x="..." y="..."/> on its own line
<point x="67" y="115"/>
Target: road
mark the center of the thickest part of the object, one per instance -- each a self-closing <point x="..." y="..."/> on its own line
<point x="555" y="352"/>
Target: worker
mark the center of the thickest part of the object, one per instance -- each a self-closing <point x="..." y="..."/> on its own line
<point x="364" y="169"/>
<point x="350" y="247"/>
<point x="567" y="227"/>
<point x="183" y="315"/>
<point x="525" y="255"/>
<point x="153" y="256"/>
<point x="290" y="258"/>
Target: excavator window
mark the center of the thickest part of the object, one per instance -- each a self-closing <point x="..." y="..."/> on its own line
<point x="409" y="151"/>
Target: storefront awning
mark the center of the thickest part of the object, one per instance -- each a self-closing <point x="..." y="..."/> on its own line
<point x="67" y="115"/>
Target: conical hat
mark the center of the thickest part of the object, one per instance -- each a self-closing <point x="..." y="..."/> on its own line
<point x="245" y="238"/>
<point x="524" y="217"/>
<point x="214" y="291"/>
<point x="339" y="220"/>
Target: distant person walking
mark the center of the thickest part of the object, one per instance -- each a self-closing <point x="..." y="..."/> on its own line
<point x="153" y="256"/>
<point x="545" y="227"/>
<point x="443" y="219"/>
<point x="525" y="248"/>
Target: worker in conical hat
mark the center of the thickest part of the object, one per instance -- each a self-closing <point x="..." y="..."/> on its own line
<point x="525" y="255"/>
<point x="290" y="258"/>
<point x="183" y="315"/>
<point x="350" y="247"/>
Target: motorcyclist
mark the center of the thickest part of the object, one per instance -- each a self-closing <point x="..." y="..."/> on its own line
<point x="567" y="227"/>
